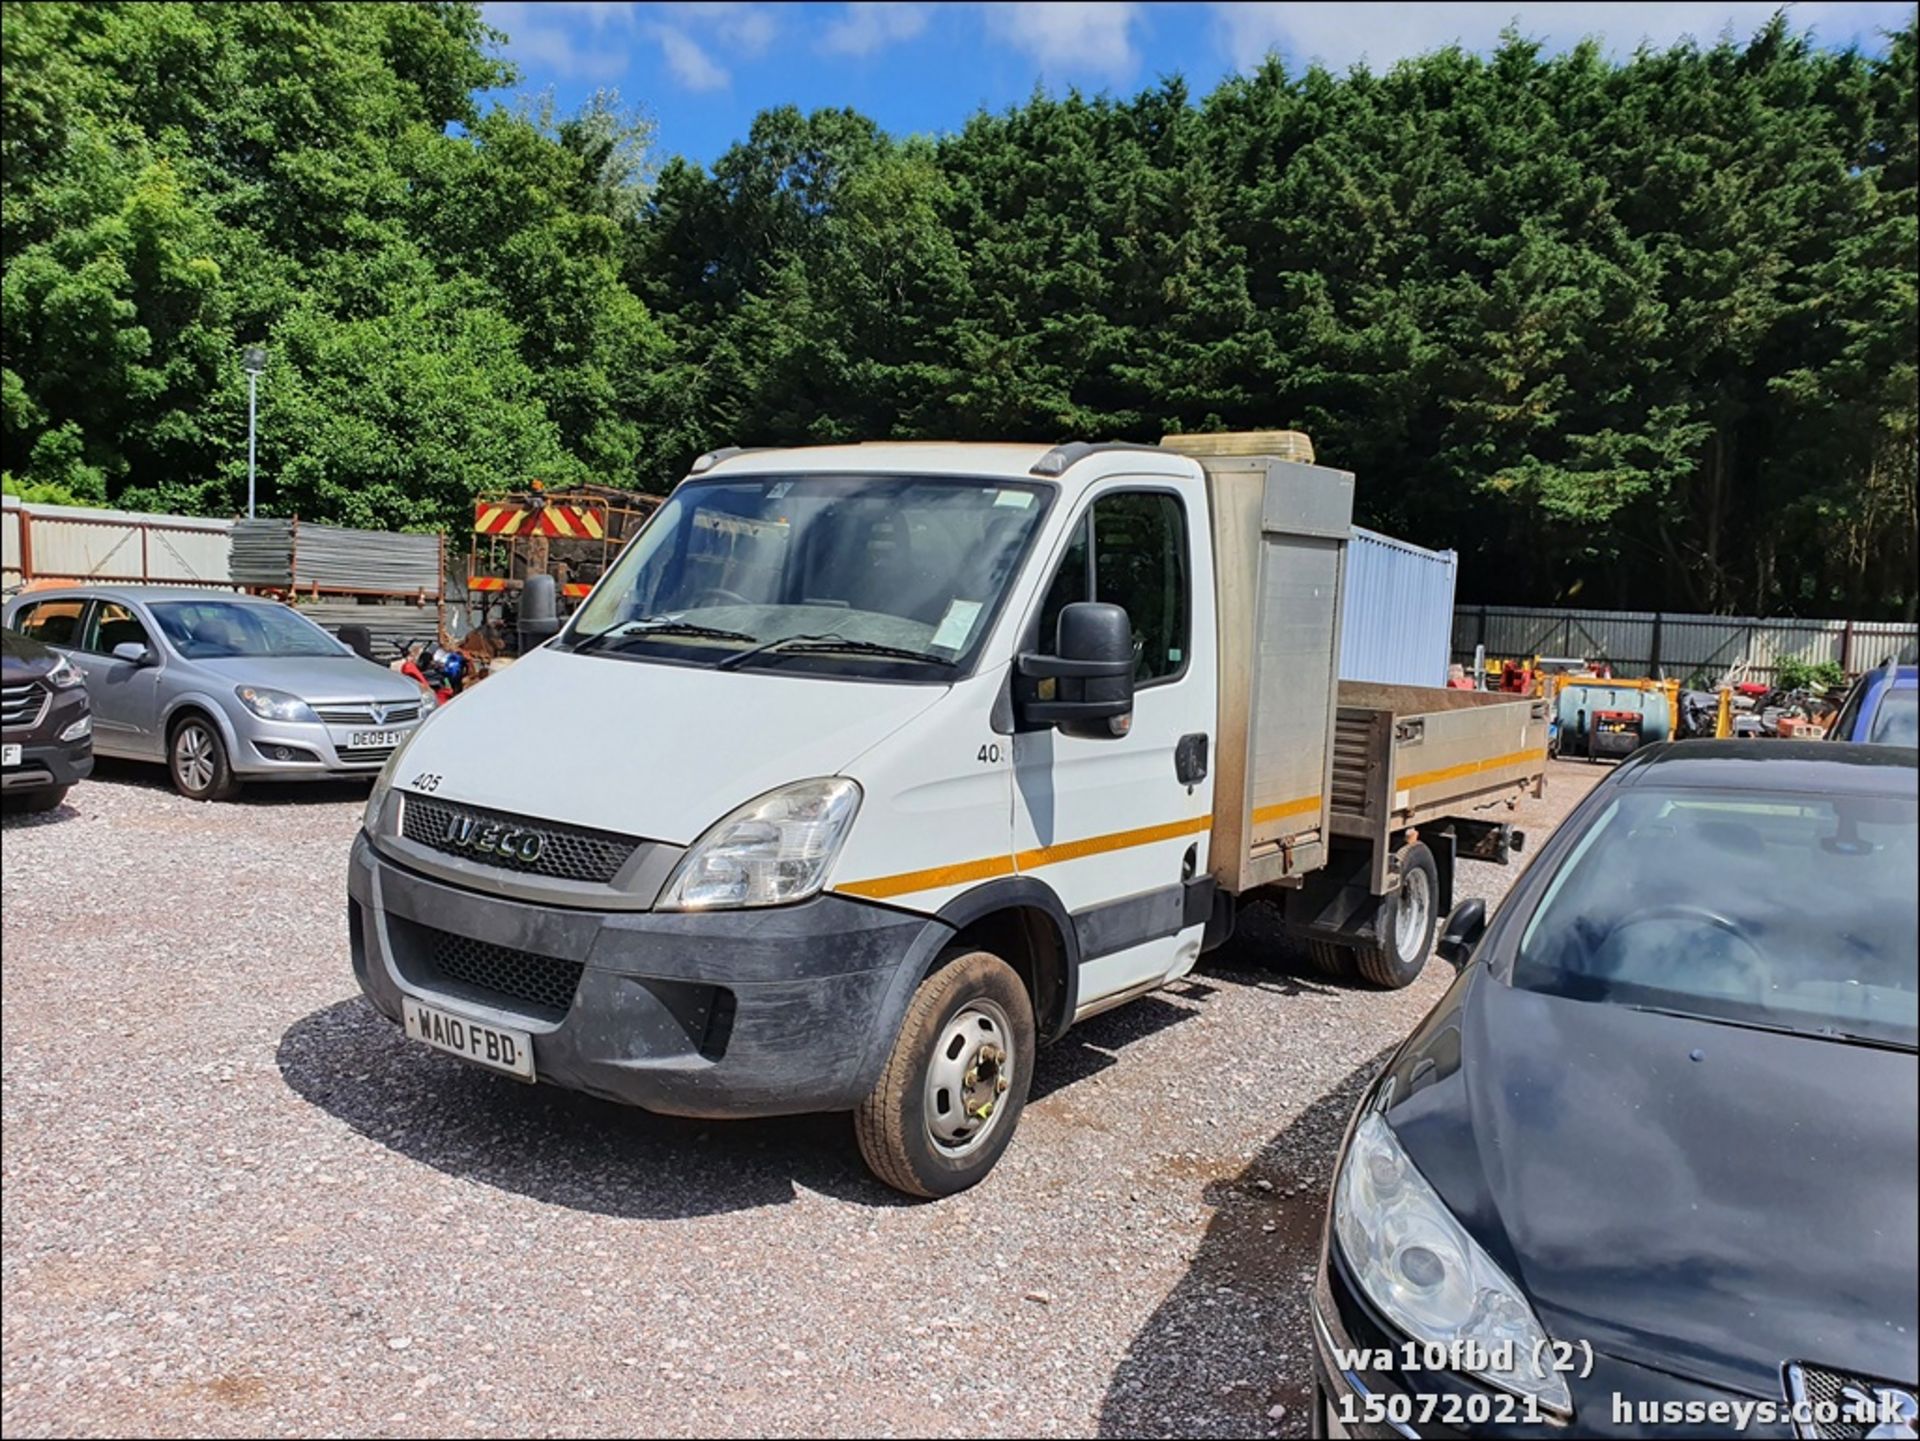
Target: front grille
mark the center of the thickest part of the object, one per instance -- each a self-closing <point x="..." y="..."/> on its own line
<point x="569" y="853"/>
<point x="1839" y="1395"/>
<point x="363" y="755"/>
<point x="22" y="705"/>
<point x="480" y="970"/>
<point x="362" y="714"/>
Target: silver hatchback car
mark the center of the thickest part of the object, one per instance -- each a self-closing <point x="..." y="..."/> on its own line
<point x="221" y="688"/>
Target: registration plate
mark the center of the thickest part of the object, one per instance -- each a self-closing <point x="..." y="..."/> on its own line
<point x="9" y="755"/>
<point x="370" y="740"/>
<point x="494" y="1047"/>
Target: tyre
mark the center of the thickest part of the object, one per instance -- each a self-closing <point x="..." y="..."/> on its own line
<point x="197" y="761"/>
<point x="953" y="1087"/>
<point x="1405" y="925"/>
<point x="1331" y="959"/>
<point x="43" y="800"/>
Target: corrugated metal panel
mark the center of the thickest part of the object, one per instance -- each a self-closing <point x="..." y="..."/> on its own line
<point x="1397" y="613"/>
<point x="393" y="625"/>
<point x="283" y="554"/>
<point x="80" y="543"/>
<point x="1684" y="647"/>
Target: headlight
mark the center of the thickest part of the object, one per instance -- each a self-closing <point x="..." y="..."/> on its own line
<point x="382" y="783"/>
<point x="428" y="700"/>
<point x="64" y="676"/>
<point x="770" y="851"/>
<point x="1420" y="1267"/>
<point x="273" y="704"/>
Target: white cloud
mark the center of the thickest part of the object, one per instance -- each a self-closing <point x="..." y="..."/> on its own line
<point x="1302" y="31"/>
<point x="689" y="62"/>
<point x="587" y="40"/>
<point x="1090" y="38"/>
<point x="563" y="38"/>
<point x="747" y="30"/>
<point x="868" y="26"/>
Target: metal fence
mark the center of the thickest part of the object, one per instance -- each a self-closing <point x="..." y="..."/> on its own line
<point x="54" y="542"/>
<point x="1662" y="644"/>
<point x="1396" y="611"/>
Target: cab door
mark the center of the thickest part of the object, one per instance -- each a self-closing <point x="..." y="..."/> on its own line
<point x="1116" y="825"/>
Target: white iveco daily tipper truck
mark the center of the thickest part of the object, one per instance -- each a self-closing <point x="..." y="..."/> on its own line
<point x="866" y="769"/>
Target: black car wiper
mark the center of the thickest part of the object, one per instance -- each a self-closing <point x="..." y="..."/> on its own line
<point x="647" y="626"/>
<point x="1813" y="1033"/>
<point x="826" y="644"/>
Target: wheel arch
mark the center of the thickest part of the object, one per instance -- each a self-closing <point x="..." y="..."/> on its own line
<point x="192" y="702"/>
<point x="1021" y="920"/>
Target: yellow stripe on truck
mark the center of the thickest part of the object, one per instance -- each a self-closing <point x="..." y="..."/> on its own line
<point x="1469" y="768"/>
<point x="1286" y="808"/>
<point x="937" y="877"/>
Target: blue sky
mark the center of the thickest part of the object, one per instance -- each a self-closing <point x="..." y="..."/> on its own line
<point x="702" y="71"/>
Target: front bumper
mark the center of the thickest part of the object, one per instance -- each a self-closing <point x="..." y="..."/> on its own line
<point x="1362" y="1401"/>
<point x="293" y="750"/>
<point x="769" y="1012"/>
<point x="45" y="760"/>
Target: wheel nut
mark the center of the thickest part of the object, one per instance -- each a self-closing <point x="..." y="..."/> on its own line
<point x="1000" y="1086"/>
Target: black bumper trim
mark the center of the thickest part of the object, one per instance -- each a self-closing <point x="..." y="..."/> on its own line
<point x="814" y="993"/>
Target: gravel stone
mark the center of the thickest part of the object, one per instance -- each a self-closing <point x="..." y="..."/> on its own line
<point x="237" y="1202"/>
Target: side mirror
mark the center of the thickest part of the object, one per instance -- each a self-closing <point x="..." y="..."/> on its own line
<point x="1464" y="928"/>
<point x="534" y="629"/>
<point x="132" y="650"/>
<point x="1086" y="686"/>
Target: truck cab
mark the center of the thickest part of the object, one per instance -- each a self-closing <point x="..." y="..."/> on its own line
<point x="864" y="771"/>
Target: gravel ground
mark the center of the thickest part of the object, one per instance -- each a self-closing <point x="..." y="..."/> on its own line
<point x="236" y="1202"/>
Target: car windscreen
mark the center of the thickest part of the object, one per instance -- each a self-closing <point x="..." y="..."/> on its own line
<point x="866" y="576"/>
<point x="1776" y="909"/>
<point x="220" y="629"/>
<point x="1897" y="722"/>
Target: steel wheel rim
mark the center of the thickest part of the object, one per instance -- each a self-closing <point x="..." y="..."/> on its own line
<point x="1410" y="920"/>
<point x="193" y="757"/>
<point x="972" y="1071"/>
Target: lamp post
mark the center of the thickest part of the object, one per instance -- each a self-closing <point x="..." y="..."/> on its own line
<point x="255" y="361"/>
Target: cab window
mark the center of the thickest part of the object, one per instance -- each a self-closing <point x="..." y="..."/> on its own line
<point x="113" y="624"/>
<point x="1130" y="550"/>
<point x="51" y="622"/>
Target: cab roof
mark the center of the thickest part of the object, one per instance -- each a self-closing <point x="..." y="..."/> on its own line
<point x="999" y="460"/>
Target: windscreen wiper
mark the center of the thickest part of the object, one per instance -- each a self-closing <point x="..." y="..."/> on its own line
<point x="827" y="643"/>
<point x="1780" y="1028"/>
<point x="660" y="625"/>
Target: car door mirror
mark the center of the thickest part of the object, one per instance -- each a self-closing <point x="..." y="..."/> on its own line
<point x="1086" y="686"/>
<point x="1464" y="928"/>
<point x="132" y="650"/>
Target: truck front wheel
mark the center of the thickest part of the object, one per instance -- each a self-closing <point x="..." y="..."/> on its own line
<point x="951" y="1093"/>
<point x="1406" y="923"/>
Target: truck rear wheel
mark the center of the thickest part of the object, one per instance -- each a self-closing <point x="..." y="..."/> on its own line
<point x="1332" y="959"/>
<point x="951" y="1093"/>
<point x="1406" y="923"/>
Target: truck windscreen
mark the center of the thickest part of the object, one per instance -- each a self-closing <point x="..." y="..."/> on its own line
<point x="890" y="577"/>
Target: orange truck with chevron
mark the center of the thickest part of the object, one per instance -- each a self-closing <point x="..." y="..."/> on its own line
<point x="570" y="536"/>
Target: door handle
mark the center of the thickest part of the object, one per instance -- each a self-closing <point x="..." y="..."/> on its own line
<point x="1190" y="758"/>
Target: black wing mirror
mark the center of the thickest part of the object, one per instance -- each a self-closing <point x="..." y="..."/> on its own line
<point x="1086" y="686"/>
<point x="132" y="650"/>
<point x="1464" y="928"/>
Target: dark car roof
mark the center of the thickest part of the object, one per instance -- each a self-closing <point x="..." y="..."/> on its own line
<point x="1776" y="765"/>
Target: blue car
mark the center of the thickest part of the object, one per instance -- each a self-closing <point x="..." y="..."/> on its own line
<point x="1883" y="708"/>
